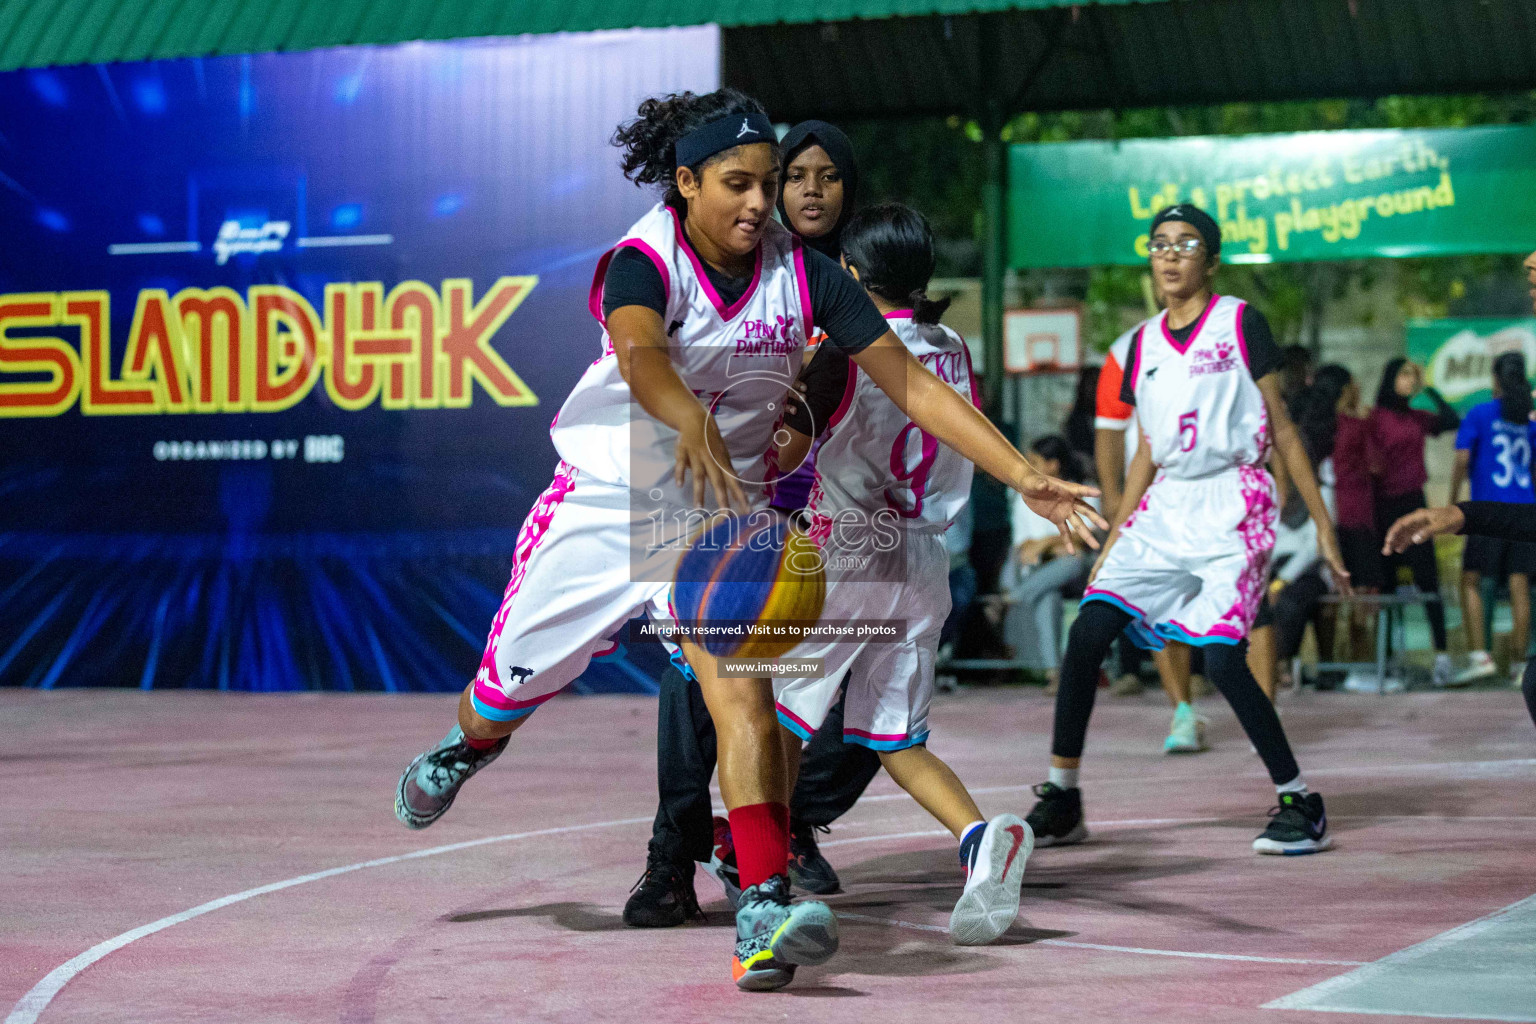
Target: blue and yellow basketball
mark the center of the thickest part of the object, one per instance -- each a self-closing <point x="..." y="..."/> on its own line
<point x="746" y="570"/>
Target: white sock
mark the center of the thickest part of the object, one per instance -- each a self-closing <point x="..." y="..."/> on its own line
<point x="1298" y="785"/>
<point x="1066" y="778"/>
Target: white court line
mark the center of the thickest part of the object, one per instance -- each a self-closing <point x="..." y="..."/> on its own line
<point x="1520" y="762"/>
<point x="1308" y="998"/>
<point x="913" y="926"/>
<point x="36" y="1000"/>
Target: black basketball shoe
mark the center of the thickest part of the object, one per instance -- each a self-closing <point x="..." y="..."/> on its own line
<point x="1057" y="819"/>
<point x="807" y="867"/>
<point x="664" y="896"/>
<point x="1298" y="826"/>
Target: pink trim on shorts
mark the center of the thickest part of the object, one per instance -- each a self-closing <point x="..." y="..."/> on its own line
<point x="1242" y="341"/>
<point x="487" y="681"/>
<point x="1097" y="591"/>
<point x="784" y="712"/>
<point x="803" y="285"/>
<point x="1181" y="349"/>
<point x="499" y="701"/>
<point x="726" y="312"/>
<point x="1220" y="629"/>
<point x="595" y="296"/>
<point x="900" y="314"/>
<point x="883" y="737"/>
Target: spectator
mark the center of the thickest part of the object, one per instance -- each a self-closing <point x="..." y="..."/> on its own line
<point x="1296" y="368"/>
<point x="1301" y="579"/>
<point x="1079" y="428"/>
<point x="1041" y="570"/>
<point x="1399" y="434"/>
<point x="1493" y="446"/>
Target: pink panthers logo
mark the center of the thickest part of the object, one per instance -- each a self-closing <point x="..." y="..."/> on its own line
<point x="1223" y="351"/>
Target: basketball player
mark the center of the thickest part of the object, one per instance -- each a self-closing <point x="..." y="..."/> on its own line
<point x="688" y="384"/>
<point x="883" y="494"/>
<point x="820" y="188"/>
<point x="1189" y="558"/>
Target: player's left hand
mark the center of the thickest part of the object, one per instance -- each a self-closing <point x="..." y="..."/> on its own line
<point x="1062" y="503"/>
<point x="1328" y="547"/>
<point x="1418" y="526"/>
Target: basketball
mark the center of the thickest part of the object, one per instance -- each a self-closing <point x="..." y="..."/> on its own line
<point x="747" y="578"/>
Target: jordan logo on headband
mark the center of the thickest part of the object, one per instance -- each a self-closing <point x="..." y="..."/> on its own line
<point x="746" y="129"/>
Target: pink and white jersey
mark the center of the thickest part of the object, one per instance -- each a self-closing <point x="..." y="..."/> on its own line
<point x="873" y="459"/>
<point x="1197" y="402"/>
<point x="740" y="359"/>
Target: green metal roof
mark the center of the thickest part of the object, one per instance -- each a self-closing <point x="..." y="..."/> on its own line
<point x="37" y="33"/>
<point x="1120" y="56"/>
<point x="878" y="58"/>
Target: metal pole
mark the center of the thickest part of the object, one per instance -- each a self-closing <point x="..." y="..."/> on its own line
<point x="993" y="251"/>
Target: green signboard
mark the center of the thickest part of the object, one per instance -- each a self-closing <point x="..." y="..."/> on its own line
<point x="1300" y="196"/>
<point x="1458" y="355"/>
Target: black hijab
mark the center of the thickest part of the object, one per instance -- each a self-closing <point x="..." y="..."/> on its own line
<point x="1386" y="395"/>
<point x="830" y="138"/>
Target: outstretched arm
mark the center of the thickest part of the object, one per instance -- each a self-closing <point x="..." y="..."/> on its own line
<point x="945" y="414"/>
<point x="1501" y="519"/>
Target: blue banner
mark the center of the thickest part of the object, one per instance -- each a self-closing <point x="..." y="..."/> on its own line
<point x="280" y="340"/>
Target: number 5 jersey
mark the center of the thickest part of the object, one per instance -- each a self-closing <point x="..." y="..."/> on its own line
<point x="1192" y="560"/>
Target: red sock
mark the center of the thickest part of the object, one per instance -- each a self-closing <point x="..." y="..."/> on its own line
<point x="760" y="833"/>
<point x="474" y="744"/>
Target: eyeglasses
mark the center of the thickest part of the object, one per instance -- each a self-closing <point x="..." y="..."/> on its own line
<point x="1184" y="248"/>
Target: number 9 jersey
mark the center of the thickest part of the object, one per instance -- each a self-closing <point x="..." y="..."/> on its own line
<point x="1198" y="401"/>
<point x="873" y="460"/>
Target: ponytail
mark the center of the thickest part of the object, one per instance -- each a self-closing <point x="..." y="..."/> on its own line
<point x="926" y="310"/>
<point x="892" y="247"/>
<point x="1514" y="388"/>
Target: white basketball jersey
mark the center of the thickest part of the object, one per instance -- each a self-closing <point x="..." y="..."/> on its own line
<point x="740" y="359"/>
<point x="873" y="459"/>
<point x="1198" y="403"/>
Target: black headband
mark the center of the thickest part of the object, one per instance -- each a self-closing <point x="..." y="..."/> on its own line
<point x="1196" y="218"/>
<point x="722" y="134"/>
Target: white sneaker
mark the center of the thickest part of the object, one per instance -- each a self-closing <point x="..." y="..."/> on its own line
<point x="1479" y="666"/>
<point x="1366" y="682"/>
<point x="992" y="880"/>
<point x="1442" y="674"/>
<point x="1187" y="733"/>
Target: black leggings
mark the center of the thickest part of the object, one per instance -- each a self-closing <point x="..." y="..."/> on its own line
<point x="833" y="774"/>
<point x="1420" y="560"/>
<point x="1092" y="634"/>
